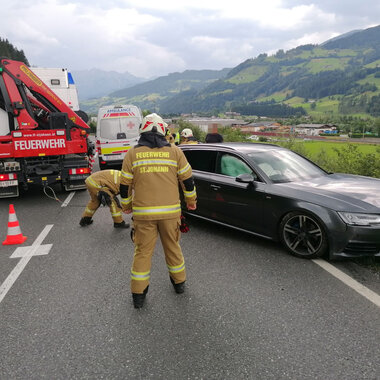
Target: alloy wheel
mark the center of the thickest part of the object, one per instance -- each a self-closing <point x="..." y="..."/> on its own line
<point x="303" y="235"/>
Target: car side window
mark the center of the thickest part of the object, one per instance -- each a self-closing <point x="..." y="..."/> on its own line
<point x="233" y="166"/>
<point x="202" y="160"/>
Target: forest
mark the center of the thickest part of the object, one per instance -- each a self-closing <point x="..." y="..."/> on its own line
<point x="7" y="50"/>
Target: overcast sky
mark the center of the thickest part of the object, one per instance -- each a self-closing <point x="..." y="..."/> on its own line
<point x="156" y="37"/>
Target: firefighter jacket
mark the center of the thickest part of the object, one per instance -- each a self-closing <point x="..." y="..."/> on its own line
<point x="190" y="140"/>
<point x="154" y="175"/>
<point x="106" y="180"/>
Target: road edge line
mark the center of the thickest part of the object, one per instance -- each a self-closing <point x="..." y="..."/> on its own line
<point x="349" y="281"/>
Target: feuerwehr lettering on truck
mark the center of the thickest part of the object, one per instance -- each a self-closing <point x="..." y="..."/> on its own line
<point x="39" y="144"/>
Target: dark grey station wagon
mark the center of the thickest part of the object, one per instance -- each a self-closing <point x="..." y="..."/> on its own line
<point x="272" y="192"/>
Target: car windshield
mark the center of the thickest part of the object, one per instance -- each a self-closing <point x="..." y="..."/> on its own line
<point x="285" y="166"/>
<point x="111" y="127"/>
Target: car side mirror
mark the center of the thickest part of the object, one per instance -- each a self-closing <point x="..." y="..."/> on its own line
<point x="245" y="178"/>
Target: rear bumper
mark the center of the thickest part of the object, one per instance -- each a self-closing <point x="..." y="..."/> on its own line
<point x="116" y="164"/>
<point x="9" y="191"/>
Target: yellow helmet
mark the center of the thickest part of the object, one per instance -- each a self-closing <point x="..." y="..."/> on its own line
<point x="153" y="123"/>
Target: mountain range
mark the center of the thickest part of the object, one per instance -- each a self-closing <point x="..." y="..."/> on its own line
<point x="149" y="94"/>
<point x="95" y="83"/>
<point x="340" y="76"/>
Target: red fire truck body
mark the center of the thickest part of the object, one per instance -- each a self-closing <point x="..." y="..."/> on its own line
<point x="42" y="141"/>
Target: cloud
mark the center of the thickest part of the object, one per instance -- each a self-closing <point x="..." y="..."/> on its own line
<point x="151" y="38"/>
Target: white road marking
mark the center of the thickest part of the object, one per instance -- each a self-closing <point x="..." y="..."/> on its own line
<point x="68" y="199"/>
<point x="349" y="281"/>
<point x="28" y="252"/>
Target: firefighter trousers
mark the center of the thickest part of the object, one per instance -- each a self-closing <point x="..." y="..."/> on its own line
<point x="145" y="237"/>
<point x="94" y="204"/>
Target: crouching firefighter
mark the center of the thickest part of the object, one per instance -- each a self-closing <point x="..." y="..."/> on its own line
<point x="154" y="168"/>
<point x="103" y="187"/>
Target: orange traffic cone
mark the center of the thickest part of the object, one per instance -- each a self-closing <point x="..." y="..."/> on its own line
<point x="14" y="232"/>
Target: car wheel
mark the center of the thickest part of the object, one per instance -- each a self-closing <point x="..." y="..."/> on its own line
<point x="303" y="235"/>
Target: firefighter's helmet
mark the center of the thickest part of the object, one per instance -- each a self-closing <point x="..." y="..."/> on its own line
<point x="187" y="132"/>
<point x="153" y="123"/>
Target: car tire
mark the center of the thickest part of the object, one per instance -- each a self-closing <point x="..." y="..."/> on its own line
<point x="303" y="235"/>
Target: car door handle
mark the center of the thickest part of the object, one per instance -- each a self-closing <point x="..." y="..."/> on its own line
<point x="215" y="187"/>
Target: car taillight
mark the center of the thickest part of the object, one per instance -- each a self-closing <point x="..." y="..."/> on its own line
<point x="79" y="171"/>
<point x="7" y="177"/>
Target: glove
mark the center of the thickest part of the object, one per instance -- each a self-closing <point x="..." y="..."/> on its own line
<point x="104" y="198"/>
<point x="116" y="199"/>
<point x="184" y="227"/>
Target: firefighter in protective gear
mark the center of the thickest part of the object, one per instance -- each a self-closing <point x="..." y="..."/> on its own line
<point x="187" y="137"/>
<point x="173" y="138"/>
<point x="176" y="138"/>
<point x="154" y="168"/>
<point x="169" y="136"/>
<point x="103" y="187"/>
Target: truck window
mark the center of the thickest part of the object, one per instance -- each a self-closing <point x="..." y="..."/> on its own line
<point x="110" y="127"/>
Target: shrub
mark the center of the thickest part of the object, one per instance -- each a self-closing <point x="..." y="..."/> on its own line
<point x="351" y="161"/>
<point x="198" y="134"/>
<point x="232" y="134"/>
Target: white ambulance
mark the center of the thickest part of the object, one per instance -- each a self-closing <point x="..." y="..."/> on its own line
<point x="117" y="130"/>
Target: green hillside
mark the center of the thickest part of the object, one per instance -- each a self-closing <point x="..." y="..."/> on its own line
<point x="341" y="76"/>
<point x="149" y="95"/>
<point x="338" y="77"/>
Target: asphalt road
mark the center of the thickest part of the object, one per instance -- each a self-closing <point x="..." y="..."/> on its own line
<point x="250" y="311"/>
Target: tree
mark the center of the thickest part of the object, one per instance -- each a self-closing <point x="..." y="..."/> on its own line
<point x="146" y="112"/>
<point x="376" y="126"/>
<point x="198" y="134"/>
<point x="9" y="51"/>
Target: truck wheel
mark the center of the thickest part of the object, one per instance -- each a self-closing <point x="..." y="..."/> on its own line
<point x="82" y="115"/>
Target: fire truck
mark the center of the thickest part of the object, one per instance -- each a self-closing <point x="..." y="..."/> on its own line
<point x="42" y="140"/>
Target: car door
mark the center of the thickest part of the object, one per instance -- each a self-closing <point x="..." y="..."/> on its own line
<point x="235" y="203"/>
<point x="202" y="162"/>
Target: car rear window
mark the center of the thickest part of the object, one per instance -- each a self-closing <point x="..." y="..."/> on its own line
<point x="202" y="160"/>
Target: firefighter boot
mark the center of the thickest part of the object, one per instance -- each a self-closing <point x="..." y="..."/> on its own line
<point x="138" y="299"/>
<point x="121" y="225"/>
<point x="179" y="288"/>
<point x="85" y="221"/>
